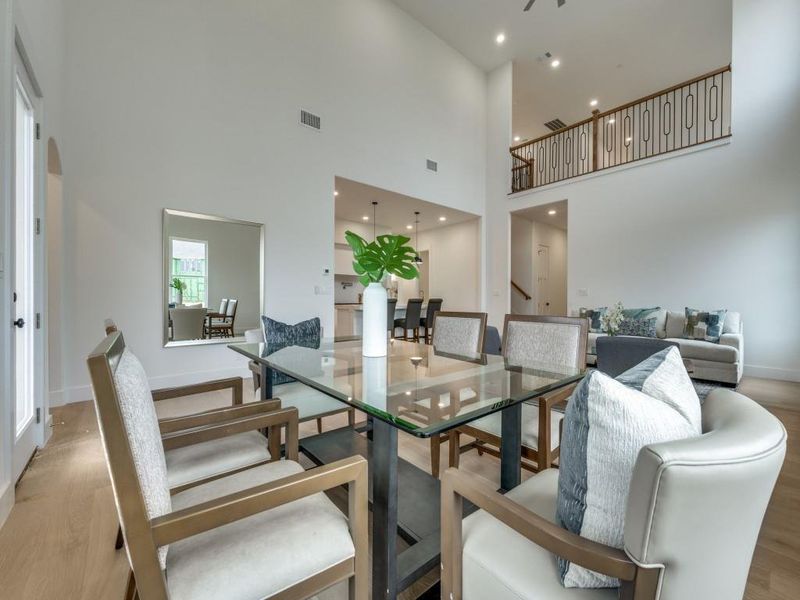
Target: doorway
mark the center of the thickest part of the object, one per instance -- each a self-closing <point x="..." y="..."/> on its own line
<point x="538" y="283"/>
<point x="26" y="354"/>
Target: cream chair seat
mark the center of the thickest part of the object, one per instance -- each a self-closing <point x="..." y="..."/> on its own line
<point x="260" y="555"/>
<point x="492" y="424"/>
<point x="693" y="516"/>
<point x="515" y="568"/>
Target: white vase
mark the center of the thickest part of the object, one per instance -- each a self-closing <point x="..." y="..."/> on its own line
<point x="179" y="298"/>
<point x="375" y="330"/>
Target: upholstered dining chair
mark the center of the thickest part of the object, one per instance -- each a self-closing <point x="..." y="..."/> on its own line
<point x="434" y="305"/>
<point x="391" y="307"/>
<point x="454" y="334"/>
<point x="311" y="404"/>
<point x="693" y="516"/>
<point x="224" y="328"/>
<point x="189" y="465"/>
<point x="187" y="323"/>
<point x="531" y="339"/>
<point x="411" y="321"/>
<point x="217" y="539"/>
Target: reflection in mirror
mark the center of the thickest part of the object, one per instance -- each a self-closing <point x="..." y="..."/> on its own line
<point x="212" y="278"/>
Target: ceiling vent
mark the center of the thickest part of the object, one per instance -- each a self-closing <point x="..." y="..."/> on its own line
<point x="433" y="165"/>
<point x="310" y="120"/>
<point x="555" y="125"/>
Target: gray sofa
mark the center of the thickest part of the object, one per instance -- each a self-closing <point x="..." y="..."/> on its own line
<point x="722" y="362"/>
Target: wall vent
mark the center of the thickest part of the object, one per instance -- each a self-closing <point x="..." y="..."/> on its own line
<point x="310" y="120"/>
<point x="433" y="165"/>
<point x="555" y="124"/>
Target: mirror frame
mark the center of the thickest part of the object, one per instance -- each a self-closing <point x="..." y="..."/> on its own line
<point x="166" y="213"/>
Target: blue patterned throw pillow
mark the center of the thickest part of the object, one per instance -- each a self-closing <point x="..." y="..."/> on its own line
<point x="704" y="325"/>
<point x="607" y="422"/>
<point x="279" y="335"/>
<point x="594" y="314"/>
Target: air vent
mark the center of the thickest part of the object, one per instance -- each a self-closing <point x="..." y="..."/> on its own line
<point x="433" y="165"/>
<point x="555" y="125"/>
<point x="310" y="120"/>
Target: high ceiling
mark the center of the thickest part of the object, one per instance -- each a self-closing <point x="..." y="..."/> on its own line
<point x="394" y="211"/>
<point x="611" y="50"/>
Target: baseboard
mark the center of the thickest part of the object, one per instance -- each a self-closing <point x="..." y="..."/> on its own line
<point x="84" y="392"/>
<point x="6" y="502"/>
<point x="771" y="373"/>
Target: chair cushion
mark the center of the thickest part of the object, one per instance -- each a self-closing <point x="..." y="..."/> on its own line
<point x="144" y="437"/>
<point x="263" y="554"/>
<point x="501" y="564"/>
<point x="607" y="423"/>
<point x="530" y="425"/>
<point x="198" y="461"/>
<point x="279" y="335"/>
<point x="529" y="342"/>
<point x="309" y="402"/>
<point x="457" y="335"/>
<point x="702" y="350"/>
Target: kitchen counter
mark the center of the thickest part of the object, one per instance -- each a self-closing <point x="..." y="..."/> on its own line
<point x="349" y="317"/>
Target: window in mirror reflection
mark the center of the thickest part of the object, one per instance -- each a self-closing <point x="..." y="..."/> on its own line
<point x="189" y="264"/>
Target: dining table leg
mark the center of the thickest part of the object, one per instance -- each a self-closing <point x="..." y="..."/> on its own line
<point x="511" y="447"/>
<point x="383" y="470"/>
<point x="273" y="433"/>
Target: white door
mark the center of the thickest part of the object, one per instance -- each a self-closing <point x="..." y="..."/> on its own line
<point x="24" y="272"/>
<point x="543" y="280"/>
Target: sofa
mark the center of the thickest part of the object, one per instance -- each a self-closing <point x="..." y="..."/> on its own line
<point x="721" y="361"/>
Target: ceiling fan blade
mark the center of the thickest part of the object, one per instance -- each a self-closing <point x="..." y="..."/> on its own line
<point x="528" y="6"/>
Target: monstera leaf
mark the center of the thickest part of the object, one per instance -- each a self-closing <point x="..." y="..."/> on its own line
<point x="387" y="254"/>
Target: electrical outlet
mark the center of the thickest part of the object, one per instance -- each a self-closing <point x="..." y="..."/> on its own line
<point x="583" y="292"/>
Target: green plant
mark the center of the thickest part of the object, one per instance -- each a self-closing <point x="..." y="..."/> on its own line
<point x="178" y="285"/>
<point x="387" y="254"/>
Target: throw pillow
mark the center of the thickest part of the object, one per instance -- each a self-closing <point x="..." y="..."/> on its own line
<point x="607" y="423"/>
<point x="704" y="325"/>
<point x="593" y="314"/>
<point x="279" y="335"/>
<point x="638" y="327"/>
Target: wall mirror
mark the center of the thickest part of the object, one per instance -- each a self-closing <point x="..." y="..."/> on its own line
<point x="212" y="278"/>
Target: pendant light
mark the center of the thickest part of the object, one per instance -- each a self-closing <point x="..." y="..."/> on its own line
<point x="374" y="209"/>
<point x="417" y="259"/>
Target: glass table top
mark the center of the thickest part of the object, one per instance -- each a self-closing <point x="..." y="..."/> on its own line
<point x="416" y="388"/>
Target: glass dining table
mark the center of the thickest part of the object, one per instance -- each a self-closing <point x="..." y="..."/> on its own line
<point x="420" y="391"/>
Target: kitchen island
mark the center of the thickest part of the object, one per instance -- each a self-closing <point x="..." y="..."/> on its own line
<point x="350" y="317"/>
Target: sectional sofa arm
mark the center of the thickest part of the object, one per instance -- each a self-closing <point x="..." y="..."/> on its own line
<point x="735" y="340"/>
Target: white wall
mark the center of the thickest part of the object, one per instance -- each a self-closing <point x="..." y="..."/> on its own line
<point x="718" y="228"/>
<point x="194" y="105"/>
<point x="454" y="269"/>
<point x="526" y="236"/>
<point x="522" y="265"/>
<point x="234" y="264"/>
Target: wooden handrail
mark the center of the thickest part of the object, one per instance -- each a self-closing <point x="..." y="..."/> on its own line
<point x="525" y="294"/>
<point x="621" y="107"/>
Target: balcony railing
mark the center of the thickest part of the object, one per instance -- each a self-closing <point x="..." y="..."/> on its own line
<point x="690" y="113"/>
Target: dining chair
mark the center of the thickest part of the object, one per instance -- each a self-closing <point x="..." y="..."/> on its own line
<point x="454" y="334"/>
<point x="391" y="306"/>
<point x="434" y="305"/>
<point x="217" y="539"/>
<point x="225" y="327"/>
<point x="411" y="321"/>
<point x="694" y="511"/>
<point x="538" y="341"/>
<point x="492" y="344"/>
<point x="187" y="323"/>
<point x="190" y="465"/>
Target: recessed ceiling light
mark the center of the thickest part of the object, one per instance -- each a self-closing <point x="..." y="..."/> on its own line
<point x="409" y="227"/>
<point x="365" y="218"/>
<point x="517" y="138"/>
<point x="555" y="63"/>
<point x="443" y="218"/>
<point x="593" y="102"/>
<point x="335" y="192"/>
<point x="551" y="212"/>
<point x="612" y="121"/>
<point x="501" y="37"/>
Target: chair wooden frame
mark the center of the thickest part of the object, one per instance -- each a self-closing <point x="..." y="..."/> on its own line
<point x="225" y="327"/>
<point x="144" y="536"/>
<point x="637" y="583"/>
<point x="437" y="439"/>
<point x="544" y="455"/>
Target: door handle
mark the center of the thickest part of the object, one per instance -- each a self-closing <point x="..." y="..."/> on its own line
<point x="19" y="323"/>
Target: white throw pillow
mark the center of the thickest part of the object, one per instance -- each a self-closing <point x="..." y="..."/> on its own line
<point x="606" y="425"/>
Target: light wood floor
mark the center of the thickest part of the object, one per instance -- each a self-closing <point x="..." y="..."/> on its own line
<point x="58" y="540"/>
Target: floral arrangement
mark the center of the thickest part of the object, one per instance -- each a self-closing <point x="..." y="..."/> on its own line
<point x="612" y="318"/>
